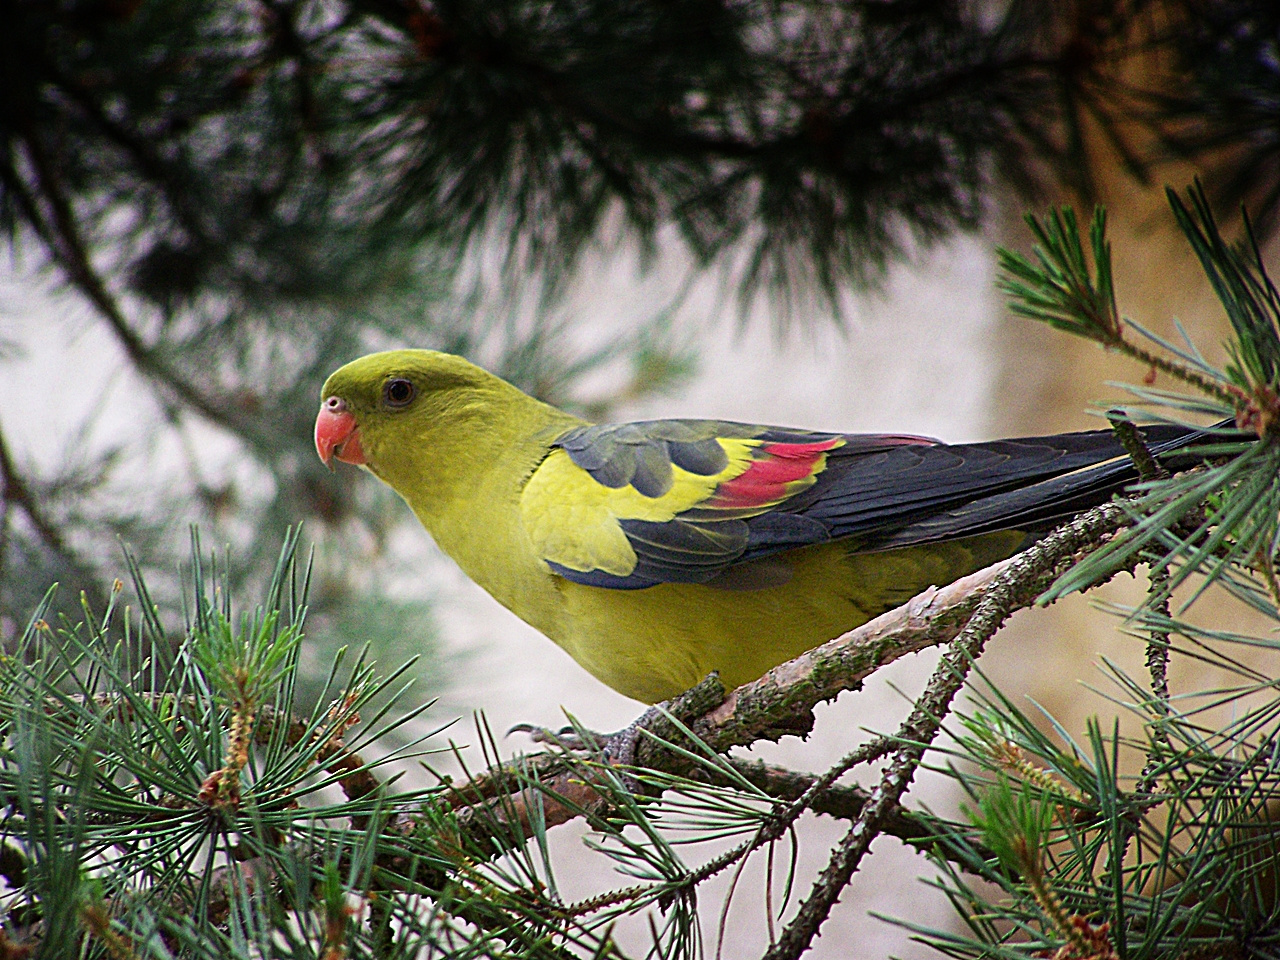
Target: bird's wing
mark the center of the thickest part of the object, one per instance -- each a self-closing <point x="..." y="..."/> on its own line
<point x="690" y="501"/>
<point x="673" y="501"/>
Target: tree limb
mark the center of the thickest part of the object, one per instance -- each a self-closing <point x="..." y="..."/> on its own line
<point x="1015" y="586"/>
<point x="780" y="703"/>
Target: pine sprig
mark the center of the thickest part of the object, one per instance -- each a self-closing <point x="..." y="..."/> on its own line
<point x="1223" y="517"/>
<point x="1240" y="280"/>
<point x="1178" y="860"/>
<point x="1186" y="869"/>
<point x="1060" y="287"/>
<point x="1075" y="292"/>
<point x="1016" y="825"/>
<point x="111" y="739"/>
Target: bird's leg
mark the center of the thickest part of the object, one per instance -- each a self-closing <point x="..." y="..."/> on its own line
<point x="621" y="749"/>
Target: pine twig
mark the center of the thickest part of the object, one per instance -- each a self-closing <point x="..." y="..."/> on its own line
<point x="840" y="802"/>
<point x="1007" y="593"/>
<point x="70" y="250"/>
<point x="14" y="489"/>
<point x="1149" y="468"/>
<point x="1144" y="461"/>
<point x="551" y="790"/>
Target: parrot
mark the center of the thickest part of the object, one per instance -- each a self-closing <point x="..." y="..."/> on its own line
<point x="659" y="551"/>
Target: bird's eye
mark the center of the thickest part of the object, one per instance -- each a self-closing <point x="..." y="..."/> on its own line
<point x="398" y="392"/>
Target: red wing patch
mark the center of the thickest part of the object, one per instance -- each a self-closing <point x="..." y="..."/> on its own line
<point x="767" y="480"/>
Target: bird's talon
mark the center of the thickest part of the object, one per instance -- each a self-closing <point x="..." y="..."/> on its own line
<point x="568" y="737"/>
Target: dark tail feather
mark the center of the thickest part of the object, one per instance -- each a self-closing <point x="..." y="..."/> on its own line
<point x="1041" y="506"/>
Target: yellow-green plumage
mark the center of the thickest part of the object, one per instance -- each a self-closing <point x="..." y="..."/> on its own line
<point x="651" y="644"/>
<point x="494" y="476"/>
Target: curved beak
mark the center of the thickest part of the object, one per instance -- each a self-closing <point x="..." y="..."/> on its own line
<point x="337" y="434"/>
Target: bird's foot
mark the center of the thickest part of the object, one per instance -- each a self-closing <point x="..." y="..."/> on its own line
<point x="622" y="750"/>
<point x="662" y="722"/>
<point x="617" y="750"/>
<point x="572" y="738"/>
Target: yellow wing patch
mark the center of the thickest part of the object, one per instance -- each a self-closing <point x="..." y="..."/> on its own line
<point x="573" y="520"/>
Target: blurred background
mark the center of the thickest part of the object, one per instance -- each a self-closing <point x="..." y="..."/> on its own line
<point x="773" y="212"/>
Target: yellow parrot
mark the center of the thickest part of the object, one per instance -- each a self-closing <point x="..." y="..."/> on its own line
<point x="659" y="551"/>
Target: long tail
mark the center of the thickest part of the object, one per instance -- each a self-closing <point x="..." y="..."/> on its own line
<point x="1041" y="505"/>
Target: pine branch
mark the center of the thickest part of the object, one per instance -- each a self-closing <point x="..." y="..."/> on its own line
<point x="72" y="254"/>
<point x="13" y="489"/>
<point x="781" y="702"/>
<point x="1011" y="589"/>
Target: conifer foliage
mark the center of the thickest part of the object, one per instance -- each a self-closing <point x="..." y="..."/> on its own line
<point x="247" y="193"/>
<point x="167" y="792"/>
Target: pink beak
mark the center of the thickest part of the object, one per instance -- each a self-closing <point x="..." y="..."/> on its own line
<point x="337" y="434"/>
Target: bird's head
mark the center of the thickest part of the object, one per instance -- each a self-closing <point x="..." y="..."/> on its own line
<point x="374" y="409"/>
